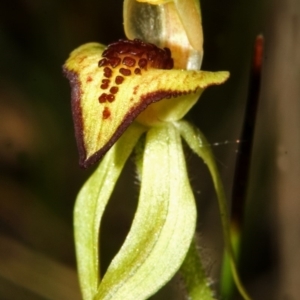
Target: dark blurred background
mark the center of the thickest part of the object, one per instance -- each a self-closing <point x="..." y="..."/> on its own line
<point x="39" y="173"/>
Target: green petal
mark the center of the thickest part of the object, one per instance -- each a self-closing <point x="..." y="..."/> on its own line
<point x="90" y="205"/>
<point x="99" y="125"/>
<point x="163" y="226"/>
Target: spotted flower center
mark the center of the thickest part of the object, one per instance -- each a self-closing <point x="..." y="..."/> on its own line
<point x="128" y="58"/>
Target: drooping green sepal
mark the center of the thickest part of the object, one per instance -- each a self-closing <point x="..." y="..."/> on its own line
<point x="163" y="226"/>
<point x="198" y="143"/>
<point x="90" y="205"/>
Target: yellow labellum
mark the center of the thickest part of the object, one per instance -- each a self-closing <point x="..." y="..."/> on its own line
<point x="109" y="91"/>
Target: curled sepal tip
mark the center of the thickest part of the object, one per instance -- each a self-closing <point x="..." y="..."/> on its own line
<point x="112" y="86"/>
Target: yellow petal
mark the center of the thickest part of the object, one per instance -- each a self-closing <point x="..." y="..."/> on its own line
<point x="103" y="106"/>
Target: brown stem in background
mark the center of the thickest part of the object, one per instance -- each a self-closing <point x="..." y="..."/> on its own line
<point x="243" y="162"/>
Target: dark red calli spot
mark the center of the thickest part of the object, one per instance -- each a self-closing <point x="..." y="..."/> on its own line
<point x="102" y="62"/>
<point x="102" y="98"/>
<point x="110" y="98"/>
<point x="107" y="72"/>
<point x="119" y="79"/>
<point x="114" y="61"/>
<point x="89" y="79"/>
<point x="125" y="72"/>
<point x="114" y="89"/>
<point x="109" y="52"/>
<point x="137" y="52"/>
<point x="143" y="63"/>
<point x="123" y="50"/>
<point x="105" y="84"/>
<point x="106" y="113"/>
<point x="128" y="61"/>
<point x="137" y="71"/>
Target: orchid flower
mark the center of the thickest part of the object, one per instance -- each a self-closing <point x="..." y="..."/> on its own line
<point x="143" y="87"/>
